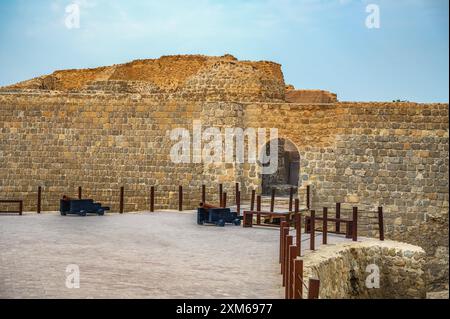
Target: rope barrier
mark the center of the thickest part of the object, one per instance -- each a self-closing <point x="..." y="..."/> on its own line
<point x="301" y="279"/>
<point x="310" y="238"/>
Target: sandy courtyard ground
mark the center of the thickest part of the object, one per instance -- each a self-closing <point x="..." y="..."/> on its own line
<point x="159" y="255"/>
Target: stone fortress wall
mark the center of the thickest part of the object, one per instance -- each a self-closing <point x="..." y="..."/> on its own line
<point x="107" y="127"/>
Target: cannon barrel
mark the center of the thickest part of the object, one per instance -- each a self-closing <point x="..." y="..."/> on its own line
<point x="207" y="206"/>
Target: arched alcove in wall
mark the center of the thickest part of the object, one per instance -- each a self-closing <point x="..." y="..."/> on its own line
<point x="287" y="171"/>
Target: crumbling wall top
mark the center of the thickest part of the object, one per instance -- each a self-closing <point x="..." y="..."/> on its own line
<point x="193" y="76"/>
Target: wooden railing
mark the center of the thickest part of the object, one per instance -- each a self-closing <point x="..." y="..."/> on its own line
<point x="351" y="225"/>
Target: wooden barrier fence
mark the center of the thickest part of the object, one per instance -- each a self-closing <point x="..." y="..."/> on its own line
<point x="290" y="264"/>
<point x="292" y="267"/>
<point x="351" y="224"/>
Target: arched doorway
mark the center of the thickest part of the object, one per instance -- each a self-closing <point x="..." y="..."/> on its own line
<point x="288" y="169"/>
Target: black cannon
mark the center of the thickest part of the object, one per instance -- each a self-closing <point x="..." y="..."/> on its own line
<point x="81" y="207"/>
<point x="217" y="216"/>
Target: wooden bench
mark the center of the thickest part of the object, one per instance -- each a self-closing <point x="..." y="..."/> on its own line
<point x="8" y="201"/>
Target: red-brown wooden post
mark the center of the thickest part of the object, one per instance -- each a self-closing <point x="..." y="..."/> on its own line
<point x="287" y="244"/>
<point x="248" y="219"/>
<point x="121" y="200"/>
<point x="291" y="198"/>
<point x="220" y="195"/>
<point x="180" y="198"/>
<point x="258" y="209"/>
<point x="238" y="203"/>
<point x="290" y="277"/>
<point x="313" y="289"/>
<point x="325" y="226"/>
<point x="355" y="224"/>
<point x="285" y="235"/>
<point x="236" y="191"/>
<point x="272" y="201"/>
<point x="252" y="203"/>
<point x="203" y="193"/>
<point x="312" y="239"/>
<point x="298" y="227"/>
<point x="79" y="192"/>
<point x="338" y="216"/>
<point x="283" y="225"/>
<point x="308" y="196"/>
<point x="381" y="223"/>
<point x="39" y="197"/>
<point x="152" y="199"/>
<point x="298" y="279"/>
<point x="224" y="200"/>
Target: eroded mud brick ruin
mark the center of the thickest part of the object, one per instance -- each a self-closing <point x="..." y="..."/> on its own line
<point x="107" y="127"/>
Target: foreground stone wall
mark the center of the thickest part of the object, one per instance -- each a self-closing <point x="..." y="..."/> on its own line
<point x="341" y="269"/>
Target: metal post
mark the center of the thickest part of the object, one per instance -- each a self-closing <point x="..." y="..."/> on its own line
<point x="180" y="198"/>
<point x="252" y="203"/>
<point x="152" y="199"/>
<point x="338" y="216"/>
<point x="381" y="223"/>
<point x="20" y="207"/>
<point x="313" y="289"/>
<point x="121" y="200"/>
<point x="39" y="200"/>
<point x="312" y="233"/>
<point x="236" y="191"/>
<point x="272" y="201"/>
<point x="79" y="192"/>
<point x="298" y="279"/>
<point x="355" y="224"/>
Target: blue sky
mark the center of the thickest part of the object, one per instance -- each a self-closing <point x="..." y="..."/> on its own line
<point x="322" y="44"/>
